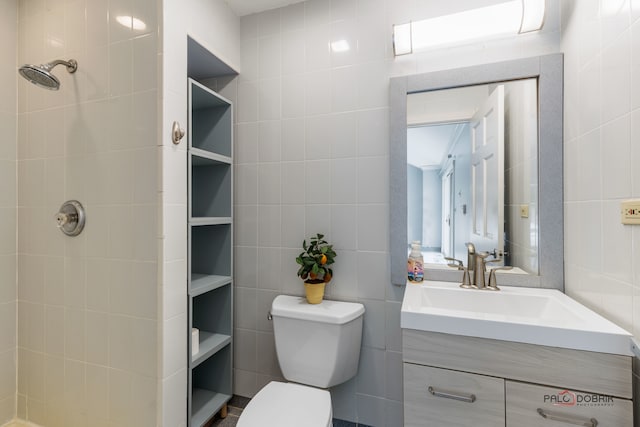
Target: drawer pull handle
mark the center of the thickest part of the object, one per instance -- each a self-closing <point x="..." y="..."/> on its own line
<point x="577" y="421"/>
<point x="469" y="398"/>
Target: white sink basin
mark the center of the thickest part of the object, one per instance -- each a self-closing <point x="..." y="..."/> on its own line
<point x="528" y="315"/>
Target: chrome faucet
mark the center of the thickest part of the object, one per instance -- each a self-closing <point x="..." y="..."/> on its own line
<point x="473" y="276"/>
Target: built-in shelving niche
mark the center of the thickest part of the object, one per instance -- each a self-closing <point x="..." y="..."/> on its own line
<point x="210" y="234"/>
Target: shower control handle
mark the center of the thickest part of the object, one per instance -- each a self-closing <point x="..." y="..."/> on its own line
<point x="62" y="218"/>
<point x="71" y="218"/>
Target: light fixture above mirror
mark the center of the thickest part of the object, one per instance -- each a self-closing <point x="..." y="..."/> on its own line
<point x="499" y="20"/>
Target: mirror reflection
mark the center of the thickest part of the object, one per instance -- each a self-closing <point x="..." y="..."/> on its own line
<point x="472" y="173"/>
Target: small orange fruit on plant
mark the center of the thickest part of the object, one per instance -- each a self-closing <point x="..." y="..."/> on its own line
<point x="315" y="260"/>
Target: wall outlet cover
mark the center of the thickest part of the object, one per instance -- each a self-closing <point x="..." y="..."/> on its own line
<point x="630" y="211"/>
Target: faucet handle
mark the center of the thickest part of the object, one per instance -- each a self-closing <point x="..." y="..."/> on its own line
<point x="454" y="263"/>
<point x="466" y="280"/>
<point x="480" y="270"/>
<point x="493" y="285"/>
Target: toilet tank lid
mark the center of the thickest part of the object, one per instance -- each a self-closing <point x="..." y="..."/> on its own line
<point x="336" y="312"/>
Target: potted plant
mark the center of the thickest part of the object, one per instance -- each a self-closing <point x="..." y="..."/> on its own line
<point x="315" y="270"/>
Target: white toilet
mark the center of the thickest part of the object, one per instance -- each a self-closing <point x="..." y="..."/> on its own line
<point x="318" y="346"/>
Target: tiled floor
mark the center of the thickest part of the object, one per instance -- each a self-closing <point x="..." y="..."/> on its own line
<point x="231" y="420"/>
<point x="234" y="409"/>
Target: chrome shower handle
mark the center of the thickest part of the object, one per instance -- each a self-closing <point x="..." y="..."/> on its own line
<point x="71" y="218"/>
<point x="65" y="218"/>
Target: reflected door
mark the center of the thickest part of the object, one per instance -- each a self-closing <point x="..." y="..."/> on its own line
<point x="487" y="174"/>
<point x="447" y="213"/>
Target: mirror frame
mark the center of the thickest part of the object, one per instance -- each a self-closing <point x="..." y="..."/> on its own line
<point x="548" y="69"/>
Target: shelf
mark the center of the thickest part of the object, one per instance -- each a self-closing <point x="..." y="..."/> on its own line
<point x="211" y="220"/>
<point x="211" y="247"/>
<point x="204" y="404"/>
<point x="212" y="311"/>
<point x="209" y="344"/>
<point x="211" y="187"/>
<point x="211" y="121"/>
<point x="201" y="283"/>
<point x="203" y="98"/>
<point x="202" y="157"/>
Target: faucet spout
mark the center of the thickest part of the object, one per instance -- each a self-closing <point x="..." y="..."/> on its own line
<point x="471" y="256"/>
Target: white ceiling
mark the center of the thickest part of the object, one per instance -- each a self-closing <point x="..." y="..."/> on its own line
<point x="434" y="119"/>
<point x="247" y="7"/>
<point x="427" y="146"/>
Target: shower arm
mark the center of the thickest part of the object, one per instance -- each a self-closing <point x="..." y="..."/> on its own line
<point x="71" y="65"/>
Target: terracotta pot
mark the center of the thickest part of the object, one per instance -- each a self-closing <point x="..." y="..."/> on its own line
<point x="314" y="292"/>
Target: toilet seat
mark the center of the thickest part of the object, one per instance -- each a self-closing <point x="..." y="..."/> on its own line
<point x="288" y="405"/>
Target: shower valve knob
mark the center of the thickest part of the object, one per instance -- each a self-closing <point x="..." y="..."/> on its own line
<point x="63" y="219"/>
<point x="71" y="218"/>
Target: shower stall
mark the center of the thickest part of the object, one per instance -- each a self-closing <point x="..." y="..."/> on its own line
<point x="93" y="325"/>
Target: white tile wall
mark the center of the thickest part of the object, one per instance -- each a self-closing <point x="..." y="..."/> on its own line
<point x="8" y="211"/>
<point x="328" y="173"/>
<point x="602" y="52"/>
<point x="88" y="306"/>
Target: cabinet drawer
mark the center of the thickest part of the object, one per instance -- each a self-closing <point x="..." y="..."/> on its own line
<point x="444" y="398"/>
<point x="538" y="406"/>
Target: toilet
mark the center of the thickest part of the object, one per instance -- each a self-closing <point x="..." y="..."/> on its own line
<point x="318" y="346"/>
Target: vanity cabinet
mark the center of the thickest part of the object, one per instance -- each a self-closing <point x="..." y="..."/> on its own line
<point x="210" y="261"/>
<point x="452" y="381"/>
<point x="527" y="405"/>
<point x="451" y="398"/>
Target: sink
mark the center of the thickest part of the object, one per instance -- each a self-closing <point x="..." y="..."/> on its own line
<point x="528" y="315"/>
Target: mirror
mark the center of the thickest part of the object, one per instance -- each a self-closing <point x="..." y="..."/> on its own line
<point x="546" y="268"/>
<point x="472" y="164"/>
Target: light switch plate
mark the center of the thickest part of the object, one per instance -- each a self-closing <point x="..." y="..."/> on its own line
<point x="524" y="211"/>
<point x="630" y="211"/>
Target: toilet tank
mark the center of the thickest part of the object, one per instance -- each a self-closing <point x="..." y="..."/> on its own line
<point x="317" y="344"/>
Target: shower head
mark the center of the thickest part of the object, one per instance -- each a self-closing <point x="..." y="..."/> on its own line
<point x="40" y="75"/>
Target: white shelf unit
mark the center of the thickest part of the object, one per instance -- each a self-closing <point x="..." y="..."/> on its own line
<point x="210" y="260"/>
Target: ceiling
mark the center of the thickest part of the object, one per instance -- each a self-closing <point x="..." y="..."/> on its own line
<point x="427" y="146"/>
<point x="247" y="7"/>
<point x="434" y="120"/>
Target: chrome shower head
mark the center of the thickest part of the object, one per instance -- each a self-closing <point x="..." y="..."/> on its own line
<point x="40" y="75"/>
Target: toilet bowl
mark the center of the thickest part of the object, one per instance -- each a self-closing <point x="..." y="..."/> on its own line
<point x="288" y="405"/>
<point x="318" y="346"/>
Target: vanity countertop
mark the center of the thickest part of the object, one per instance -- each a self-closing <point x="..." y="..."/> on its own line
<point x="528" y="315"/>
